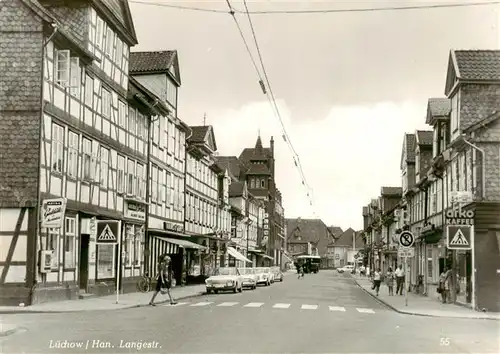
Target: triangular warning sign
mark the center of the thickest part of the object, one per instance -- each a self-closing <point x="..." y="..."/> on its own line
<point x="106" y="235"/>
<point x="459" y="239"/>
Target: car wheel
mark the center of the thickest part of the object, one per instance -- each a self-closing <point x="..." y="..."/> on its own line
<point x="241" y="289"/>
<point x="235" y="290"/>
<point x="216" y="291"/>
<point x="209" y="291"/>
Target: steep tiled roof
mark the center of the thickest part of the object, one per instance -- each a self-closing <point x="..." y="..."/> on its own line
<point x="199" y="133"/>
<point x="424" y="137"/>
<point x="146" y="62"/>
<point x="391" y="191"/>
<point x="438" y="108"/>
<point x="345" y="240"/>
<point x="236" y="189"/>
<point x="411" y="143"/>
<point x="312" y="230"/>
<point x="478" y="64"/>
<point x="258" y="169"/>
<point x="336" y="231"/>
<point x="236" y="167"/>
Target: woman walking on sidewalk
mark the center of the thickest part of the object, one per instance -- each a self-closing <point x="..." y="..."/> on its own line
<point x="163" y="279"/>
<point x="389" y="280"/>
<point x="377" y="279"/>
<point x="444" y="284"/>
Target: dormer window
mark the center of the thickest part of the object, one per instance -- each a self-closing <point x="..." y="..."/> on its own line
<point x="262" y="183"/>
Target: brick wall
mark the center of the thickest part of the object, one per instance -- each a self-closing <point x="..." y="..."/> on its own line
<point x="477" y="102"/>
<point x="488" y="139"/>
<point x="21" y="40"/>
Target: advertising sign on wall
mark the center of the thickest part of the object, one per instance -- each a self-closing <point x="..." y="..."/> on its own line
<point x="52" y="215"/>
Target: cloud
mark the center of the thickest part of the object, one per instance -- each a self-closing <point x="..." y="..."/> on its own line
<point x="346" y="157"/>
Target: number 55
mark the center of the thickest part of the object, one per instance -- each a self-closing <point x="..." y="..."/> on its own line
<point x="444" y="342"/>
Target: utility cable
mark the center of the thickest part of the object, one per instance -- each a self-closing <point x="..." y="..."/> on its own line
<point x="323" y="11"/>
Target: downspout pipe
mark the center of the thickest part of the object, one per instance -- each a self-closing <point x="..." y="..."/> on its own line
<point x="483" y="165"/>
<point x="37" y="245"/>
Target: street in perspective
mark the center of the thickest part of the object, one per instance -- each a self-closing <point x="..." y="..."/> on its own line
<point x="317" y="313"/>
<point x="235" y="176"/>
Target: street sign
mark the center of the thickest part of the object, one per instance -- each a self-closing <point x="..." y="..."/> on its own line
<point x="458" y="237"/>
<point x="406" y="239"/>
<point x="461" y="197"/>
<point x="108" y="231"/>
<point x="406" y="252"/>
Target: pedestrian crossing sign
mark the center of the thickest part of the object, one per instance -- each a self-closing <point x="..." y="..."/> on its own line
<point x="459" y="237"/>
<point x="108" y="231"/>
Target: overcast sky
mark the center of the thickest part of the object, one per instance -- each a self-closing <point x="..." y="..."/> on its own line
<point x="348" y="85"/>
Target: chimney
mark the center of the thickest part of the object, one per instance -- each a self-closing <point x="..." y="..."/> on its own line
<point x="272" y="147"/>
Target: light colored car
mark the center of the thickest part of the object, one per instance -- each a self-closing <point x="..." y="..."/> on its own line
<point x="348" y="268"/>
<point x="249" y="277"/>
<point x="228" y="278"/>
<point x="277" y="274"/>
<point x="264" y="275"/>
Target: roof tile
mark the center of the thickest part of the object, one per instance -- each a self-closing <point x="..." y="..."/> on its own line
<point x="312" y="230"/>
<point x="146" y="62"/>
<point x="478" y="64"/>
<point x="425" y="137"/>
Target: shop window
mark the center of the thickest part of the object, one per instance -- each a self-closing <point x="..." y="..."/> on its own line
<point x="231" y="261"/>
<point x="105" y="261"/>
<point x="138" y="239"/>
<point x="128" y="245"/>
<point x="70" y="243"/>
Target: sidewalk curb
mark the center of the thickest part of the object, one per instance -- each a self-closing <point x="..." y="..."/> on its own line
<point x="10" y="332"/>
<point x="419" y="313"/>
<point x="14" y="312"/>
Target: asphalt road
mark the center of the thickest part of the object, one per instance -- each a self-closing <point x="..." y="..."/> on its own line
<point x="321" y="313"/>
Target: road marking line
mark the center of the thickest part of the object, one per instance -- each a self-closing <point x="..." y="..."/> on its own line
<point x="254" y="304"/>
<point x="203" y="303"/>
<point x="309" y="307"/>
<point x="177" y="304"/>
<point x="336" y="308"/>
<point x="365" y="310"/>
<point x="227" y="304"/>
<point x="281" y="306"/>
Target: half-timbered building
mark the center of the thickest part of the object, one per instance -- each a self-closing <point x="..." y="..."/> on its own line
<point x="159" y="72"/>
<point x="92" y="145"/>
<point x="205" y="182"/>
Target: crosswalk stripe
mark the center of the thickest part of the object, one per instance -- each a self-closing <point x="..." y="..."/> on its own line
<point x="227" y="304"/>
<point x="336" y="308"/>
<point x="281" y="306"/>
<point x="254" y="304"/>
<point x="365" y="310"/>
<point x="203" y="303"/>
<point x="309" y="307"/>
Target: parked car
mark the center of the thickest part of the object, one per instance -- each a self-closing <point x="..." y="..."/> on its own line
<point x="264" y="275"/>
<point x="249" y="277"/>
<point x="277" y="274"/>
<point x="225" y="279"/>
<point x="347" y="268"/>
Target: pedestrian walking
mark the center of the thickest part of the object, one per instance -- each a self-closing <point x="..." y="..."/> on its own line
<point x="164" y="278"/>
<point x="389" y="280"/>
<point x="377" y="279"/>
<point x="445" y="285"/>
<point x="400" y="280"/>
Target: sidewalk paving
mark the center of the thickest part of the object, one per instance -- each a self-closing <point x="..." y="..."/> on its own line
<point x="104" y="303"/>
<point x="421" y="305"/>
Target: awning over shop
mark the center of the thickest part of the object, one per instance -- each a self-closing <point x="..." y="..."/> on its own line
<point x="237" y="255"/>
<point x="183" y="243"/>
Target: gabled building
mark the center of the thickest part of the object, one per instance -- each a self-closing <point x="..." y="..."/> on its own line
<point x="345" y="248"/>
<point x="158" y="72"/>
<point x="260" y="177"/>
<point x="308" y="237"/>
<point x="68" y="148"/>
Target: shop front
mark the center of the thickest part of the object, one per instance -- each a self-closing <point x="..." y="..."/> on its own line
<point x="236" y="259"/>
<point x="261" y="258"/>
<point x="202" y="261"/>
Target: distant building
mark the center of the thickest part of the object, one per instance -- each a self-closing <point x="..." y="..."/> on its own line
<point x="345" y="248"/>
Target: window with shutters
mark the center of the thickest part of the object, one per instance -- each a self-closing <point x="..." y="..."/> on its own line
<point x="62" y="64"/>
<point x="88" y="171"/>
<point x="89" y="91"/>
<point x="131" y="177"/>
<point x="154" y="184"/>
<point x="75" y="74"/>
<point x="120" y="174"/>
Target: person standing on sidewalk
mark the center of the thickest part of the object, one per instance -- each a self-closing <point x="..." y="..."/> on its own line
<point x="445" y="284"/>
<point x="389" y="280"/>
<point x="400" y="280"/>
<point x="163" y="279"/>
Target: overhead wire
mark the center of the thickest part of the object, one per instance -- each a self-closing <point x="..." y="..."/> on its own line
<point x="321" y="11"/>
<point x="272" y="99"/>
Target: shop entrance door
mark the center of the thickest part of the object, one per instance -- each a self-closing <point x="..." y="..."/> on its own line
<point x="83" y="274"/>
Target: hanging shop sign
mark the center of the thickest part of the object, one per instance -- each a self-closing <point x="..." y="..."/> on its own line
<point x="135" y="211"/>
<point x="460" y="217"/>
